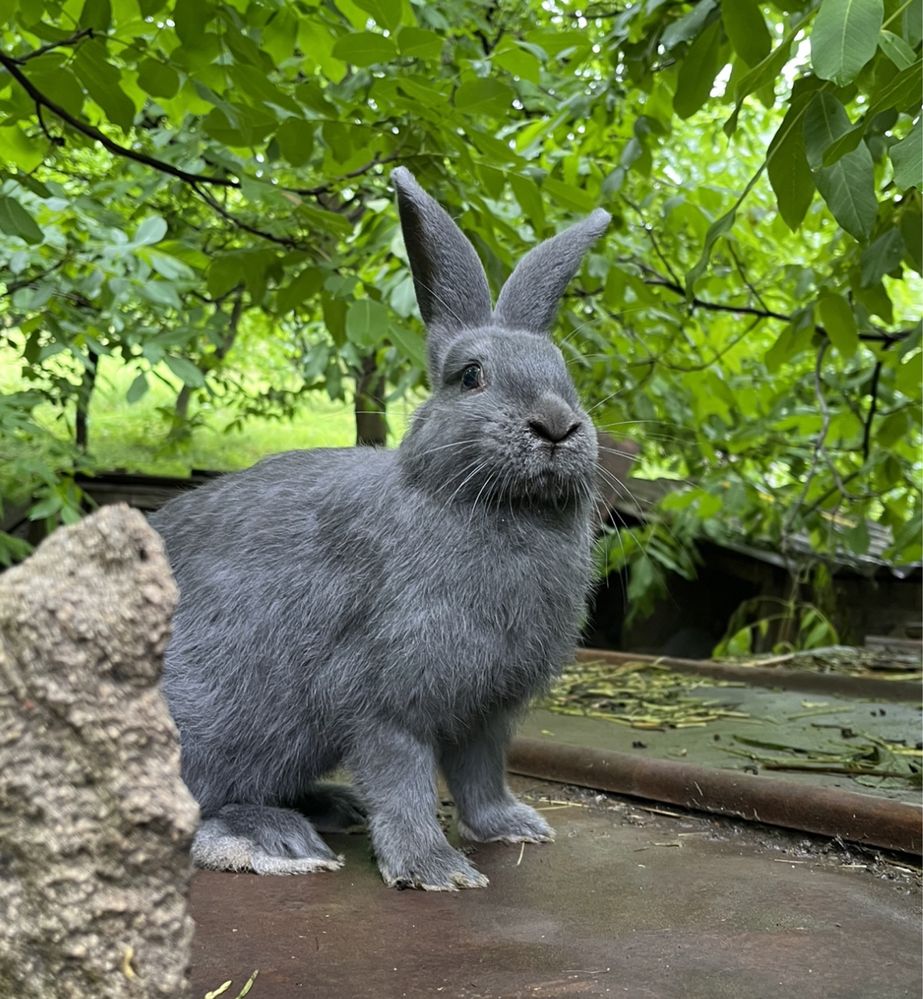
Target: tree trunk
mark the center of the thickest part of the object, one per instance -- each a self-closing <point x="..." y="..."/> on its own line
<point x="371" y="412"/>
<point x="84" y="395"/>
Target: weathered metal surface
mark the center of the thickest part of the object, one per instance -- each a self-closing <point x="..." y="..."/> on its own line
<point x="859" y="818"/>
<point x="768" y="717"/>
<point x="622" y="904"/>
<point x="789" y="679"/>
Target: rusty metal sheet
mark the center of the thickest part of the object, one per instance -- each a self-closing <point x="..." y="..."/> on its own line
<point x="620" y="905"/>
<point x="860" y="818"/>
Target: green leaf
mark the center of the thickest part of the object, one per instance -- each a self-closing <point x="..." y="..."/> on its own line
<point x="825" y="121"/>
<point x="16" y="221"/>
<point x="157" y="78"/>
<point x="334" y="310"/>
<point x="410" y="344"/>
<point x="845" y="143"/>
<point x="366" y="323"/>
<point x="688" y="26"/>
<point x="18" y="150"/>
<point x="419" y="43"/>
<point x="224" y="274"/>
<point x="900" y="91"/>
<point x="240" y="126"/>
<point x="426" y="96"/>
<point x="787" y="165"/>
<point x="168" y="266"/>
<point x="185" y="370"/>
<point x="795" y="338"/>
<point x="519" y="62"/>
<point x="96" y="14"/>
<point x="912" y="230"/>
<point x="152" y="230"/>
<point x="892" y="429"/>
<point x="137" y="388"/>
<point x="296" y="140"/>
<point x="191" y="18"/>
<point x="526" y="192"/>
<point x="103" y="82"/>
<point x="46" y="507"/>
<point x="254" y="84"/>
<point x="848" y="187"/>
<point x="698" y="71"/>
<point x="306" y="284"/>
<point x="765" y="72"/>
<point x="160" y="293"/>
<point x="845" y="37"/>
<point x="387" y="13"/>
<point x="882" y="256"/>
<point x="568" y="195"/>
<point x="484" y="96"/>
<point x="364" y="48"/>
<point x="839" y="321"/>
<point x="896" y="49"/>
<point x="746" y="29"/>
<point x="907" y="158"/>
<point x="720" y="227"/>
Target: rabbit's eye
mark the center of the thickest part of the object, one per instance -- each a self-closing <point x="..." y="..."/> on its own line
<point x="472" y="377"/>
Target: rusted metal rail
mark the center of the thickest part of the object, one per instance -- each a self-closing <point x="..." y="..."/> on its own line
<point x="806" y="681"/>
<point x="859" y="818"/>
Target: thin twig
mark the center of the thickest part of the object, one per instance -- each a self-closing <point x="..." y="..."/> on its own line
<point x="873" y="405"/>
<point x="818" y="443"/>
<point x="213" y="203"/>
<point x="55" y="140"/>
<point x="63" y="43"/>
<point x="749" y="310"/>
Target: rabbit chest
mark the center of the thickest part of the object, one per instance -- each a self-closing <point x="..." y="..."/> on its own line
<point x="482" y="613"/>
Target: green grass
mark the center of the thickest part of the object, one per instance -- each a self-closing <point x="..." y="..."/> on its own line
<point x="135" y="436"/>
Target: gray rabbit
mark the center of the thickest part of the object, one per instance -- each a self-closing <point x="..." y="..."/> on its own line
<point x="392" y="611"/>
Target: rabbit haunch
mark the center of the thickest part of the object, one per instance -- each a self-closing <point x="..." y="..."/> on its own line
<point x="392" y="611"/>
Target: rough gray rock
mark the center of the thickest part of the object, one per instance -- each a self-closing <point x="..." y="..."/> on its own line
<point x="95" y="823"/>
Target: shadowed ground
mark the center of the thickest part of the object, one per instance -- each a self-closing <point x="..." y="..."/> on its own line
<point x="626" y="902"/>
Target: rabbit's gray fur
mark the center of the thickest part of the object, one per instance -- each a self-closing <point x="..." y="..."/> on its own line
<point x="391" y="611"/>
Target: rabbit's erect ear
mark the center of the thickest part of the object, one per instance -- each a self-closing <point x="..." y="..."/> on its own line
<point x="529" y="299"/>
<point x="448" y="277"/>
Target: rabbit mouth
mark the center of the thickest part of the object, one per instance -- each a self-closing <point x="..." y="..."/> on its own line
<point x="556" y="470"/>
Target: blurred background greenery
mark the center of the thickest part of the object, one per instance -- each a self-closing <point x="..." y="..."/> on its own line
<point x="200" y="261"/>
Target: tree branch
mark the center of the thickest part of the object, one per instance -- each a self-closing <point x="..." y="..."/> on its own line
<point x="11" y="287"/>
<point x="213" y="203"/>
<point x="55" y="140"/>
<point x="873" y="405"/>
<point x="63" y="43"/>
<point x="96" y="135"/>
<point x="749" y="310"/>
<point x="42" y="101"/>
<point x="313" y="192"/>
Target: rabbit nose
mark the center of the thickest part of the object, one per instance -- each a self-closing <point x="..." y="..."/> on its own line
<point x="555" y="424"/>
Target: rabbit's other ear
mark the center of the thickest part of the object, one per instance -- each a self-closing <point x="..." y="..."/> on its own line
<point x="529" y="299"/>
<point x="448" y="277"/>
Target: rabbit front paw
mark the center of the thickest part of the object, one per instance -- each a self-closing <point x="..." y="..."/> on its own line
<point x="443" y="869"/>
<point x="510" y="822"/>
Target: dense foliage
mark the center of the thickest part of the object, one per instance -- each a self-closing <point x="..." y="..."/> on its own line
<point x="180" y="174"/>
